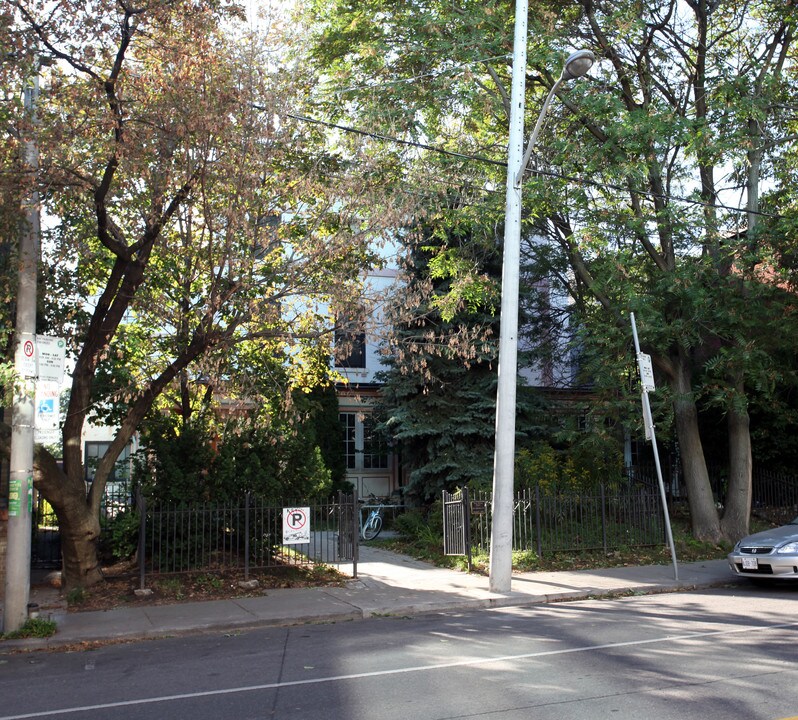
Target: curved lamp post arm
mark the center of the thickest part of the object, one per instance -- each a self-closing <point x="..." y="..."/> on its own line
<point x="576" y="65"/>
<point x="534" y="136"/>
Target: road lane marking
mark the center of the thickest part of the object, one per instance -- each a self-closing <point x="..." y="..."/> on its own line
<point x="397" y="671"/>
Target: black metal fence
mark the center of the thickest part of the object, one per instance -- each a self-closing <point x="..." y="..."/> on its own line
<point x="45" y="547"/>
<point x="559" y="522"/>
<point x="247" y="534"/>
<point x="768" y="488"/>
<point x="244" y="535"/>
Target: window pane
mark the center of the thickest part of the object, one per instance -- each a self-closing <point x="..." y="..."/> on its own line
<point x="375" y="449"/>
<point x="348" y="430"/>
<point x="94" y="450"/>
<point x="350" y="343"/>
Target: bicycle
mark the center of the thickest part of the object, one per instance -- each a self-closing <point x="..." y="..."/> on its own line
<point x="371" y="528"/>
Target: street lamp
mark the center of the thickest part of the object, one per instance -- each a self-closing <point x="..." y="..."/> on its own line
<point x="501" y="540"/>
<point x="576" y="65"/>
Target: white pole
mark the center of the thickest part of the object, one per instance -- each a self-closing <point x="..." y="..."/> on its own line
<point x="501" y="538"/>
<point x="17" y="580"/>
<point x="646" y="416"/>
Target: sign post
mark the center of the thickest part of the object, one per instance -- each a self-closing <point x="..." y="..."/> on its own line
<point x="647" y="382"/>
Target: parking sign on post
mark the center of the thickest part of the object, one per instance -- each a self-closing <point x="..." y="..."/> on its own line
<point x="50" y="358"/>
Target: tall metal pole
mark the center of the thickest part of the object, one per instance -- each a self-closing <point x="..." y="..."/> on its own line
<point x="17" y="581"/>
<point x="501" y="538"/>
<point x="650" y="431"/>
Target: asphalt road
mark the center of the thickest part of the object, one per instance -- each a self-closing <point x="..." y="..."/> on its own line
<point x="710" y="655"/>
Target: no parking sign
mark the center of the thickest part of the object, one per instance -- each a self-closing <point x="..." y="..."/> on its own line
<point x="296" y="526"/>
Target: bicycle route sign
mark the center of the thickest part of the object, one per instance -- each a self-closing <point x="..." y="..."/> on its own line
<point x="296" y="525"/>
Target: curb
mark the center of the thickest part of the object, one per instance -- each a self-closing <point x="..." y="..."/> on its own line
<point x="356" y="611"/>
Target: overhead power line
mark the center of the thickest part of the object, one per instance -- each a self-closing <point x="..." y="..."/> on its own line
<point x="546" y="173"/>
<point x="399" y="141"/>
<point x="421" y="76"/>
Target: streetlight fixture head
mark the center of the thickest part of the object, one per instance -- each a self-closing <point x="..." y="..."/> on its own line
<point x="577" y="64"/>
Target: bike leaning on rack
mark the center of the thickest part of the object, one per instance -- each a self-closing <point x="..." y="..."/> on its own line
<point x="373" y="524"/>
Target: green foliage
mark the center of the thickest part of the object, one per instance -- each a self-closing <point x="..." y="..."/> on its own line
<point x="424" y="526"/>
<point x="175" y="462"/>
<point x="197" y="462"/>
<point x="525" y="560"/>
<point x="162" y="267"/>
<point x="468" y="289"/>
<point x="33" y="628"/>
<point x="120" y="535"/>
<point x="438" y="397"/>
<point x="579" y="468"/>
<point x="76" y="595"/>
<point x="189" y="464"/>
<point x="322" y="426"/>
<point x="210" y="581"/>
<point x="629" y="203"/>
<point x="7" y="379"/>
<point x="171" y="587"/>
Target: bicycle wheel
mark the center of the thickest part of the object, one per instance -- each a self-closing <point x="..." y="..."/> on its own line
<point x="372" y="527"/>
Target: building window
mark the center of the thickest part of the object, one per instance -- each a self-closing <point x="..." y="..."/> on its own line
<point x="350" y="344"/>
<point x="349" y="427"/>
<point x="375" y="449"/>
<point x="93" y="452"/>
<point x="364" y="448"/>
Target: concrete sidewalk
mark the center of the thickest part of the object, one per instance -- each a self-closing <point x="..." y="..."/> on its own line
<point x="387" y="584"/>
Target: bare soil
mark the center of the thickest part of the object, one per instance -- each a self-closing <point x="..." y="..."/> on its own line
<point x="122" y="581"/>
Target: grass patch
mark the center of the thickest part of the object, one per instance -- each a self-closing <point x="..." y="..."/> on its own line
<point x="33" y="628"/>
<point x="76" y="596"/>
<point x="173" y="587"/>
<point x="422" y="541"/>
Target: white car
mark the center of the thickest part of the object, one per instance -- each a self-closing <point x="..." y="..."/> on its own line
<point x="768" y="554"/>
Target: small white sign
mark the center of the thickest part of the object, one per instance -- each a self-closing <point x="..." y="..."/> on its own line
<point x="47" y="413"/>
<point x="51" y="355"/>
<point x="51" y="436"/>
<point x="646" y="372"/>
<point x="296" y="526"/>
<point x="25" y="359"/>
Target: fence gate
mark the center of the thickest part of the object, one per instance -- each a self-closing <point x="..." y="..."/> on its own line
<point x="348" y="535"/>
<point x="457" y="524"/>
<point x="45" y="537"/>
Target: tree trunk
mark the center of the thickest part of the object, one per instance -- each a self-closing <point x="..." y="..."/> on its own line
<point x="79" y="536"/>
<point x="78" y="524"/>
<point x="703" y="513"/>
<point x="737" y="510"/>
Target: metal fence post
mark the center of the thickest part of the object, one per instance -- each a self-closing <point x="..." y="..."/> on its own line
<point x="355" y="526"/>
<point x="467" y="527"/>
<point x="603" y="520"/>
<point x="142" y="506"/>
<point x="246" y="535"/>
<point x="538" y="538"/>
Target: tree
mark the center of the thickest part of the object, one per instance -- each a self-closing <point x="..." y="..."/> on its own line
<point x="664" y="121"/>
<point x="167" y="146"/>
<point x="687" y="107"/>
<point x="438" y="397"/>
